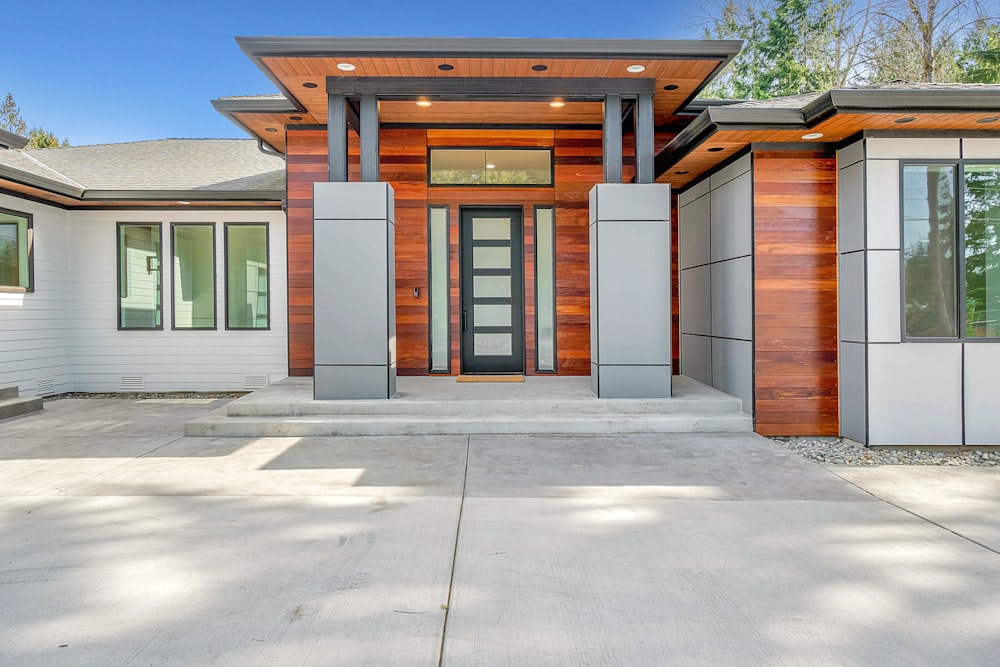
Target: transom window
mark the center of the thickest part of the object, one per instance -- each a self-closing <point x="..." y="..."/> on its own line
<point x="15" y="250"/>
<point x="485" y="166"/>
<point x="951" y="250"/>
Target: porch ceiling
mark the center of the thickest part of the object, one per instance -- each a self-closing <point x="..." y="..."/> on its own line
<point x="299" y="67"/>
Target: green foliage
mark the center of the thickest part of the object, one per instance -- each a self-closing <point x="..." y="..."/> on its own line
<point x="978" y="61"/>
<point x="11" y="120"/>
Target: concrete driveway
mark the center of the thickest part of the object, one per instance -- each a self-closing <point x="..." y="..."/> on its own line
<point x="125" y="543"/>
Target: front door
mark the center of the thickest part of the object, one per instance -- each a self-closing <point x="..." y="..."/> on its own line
<point x="492" y="290"/>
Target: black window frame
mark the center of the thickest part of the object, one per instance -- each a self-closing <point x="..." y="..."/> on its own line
<point x="552" y="166"/>
<point x="959" y="245"/>
<point x="225" y="267"/>
<point x="215" y="277"/>
<point x="30" y="254"/>
<point x="118" y="261"/>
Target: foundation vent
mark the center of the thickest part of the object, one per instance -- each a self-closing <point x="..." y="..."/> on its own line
<point x="132" y="382"/>
<point x="45" y="386"/>
<point x="254" y="381"/>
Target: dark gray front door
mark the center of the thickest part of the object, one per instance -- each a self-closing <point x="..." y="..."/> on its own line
<point x="492" y="290"/>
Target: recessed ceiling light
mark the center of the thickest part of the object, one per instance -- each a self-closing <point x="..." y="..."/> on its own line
<point x="539" y="68"/>
<point x="179" y="201"/>
<point x="905" y="119"/>
<point x="716" y="149"/>
<point x="490" y="165"/>
<point x="988" y="119"/>
<point x="812" y="135"/>
<point x="557" y="104"/>
<point x="671" y="86"/>
<point x="424" y="103"/>
<point x="346" y="67"/>
<point x="310" y="84"/>
<point x="295" y="118"/>
<point x="445" y="67"/>
<point x="270" y="129"/>
<point x="635" y="69"/>
<point x="681" y="173"/>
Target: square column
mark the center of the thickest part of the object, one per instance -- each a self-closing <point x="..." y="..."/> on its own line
<point x="354" y="291"/>
<point x="630" y="290"/>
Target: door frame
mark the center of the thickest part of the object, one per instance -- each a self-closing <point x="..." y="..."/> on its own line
<point x="518" y="318"/>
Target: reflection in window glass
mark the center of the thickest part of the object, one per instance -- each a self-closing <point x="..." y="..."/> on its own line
<point x="14" y="250"/>
<point x="476" y="166"/>
<point x="194" y="276"/>
<point x="982" y="251"/>
<point x="545" y="285"/>
<point x="246" y="277"/>
<point x="139" y="281"/>
<point x="929" y="251"/>
<point x="439" y="288"/>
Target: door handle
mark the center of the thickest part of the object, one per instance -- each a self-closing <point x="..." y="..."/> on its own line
<point x="465" y="320"/>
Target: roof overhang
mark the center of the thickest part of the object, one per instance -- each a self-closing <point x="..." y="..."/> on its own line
<point x="11" y="140"/>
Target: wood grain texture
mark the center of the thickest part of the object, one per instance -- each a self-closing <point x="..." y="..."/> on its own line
<point x="795" y="294"/>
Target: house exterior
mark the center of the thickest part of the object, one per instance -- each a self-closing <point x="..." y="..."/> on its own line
<point x="545" y="207"/>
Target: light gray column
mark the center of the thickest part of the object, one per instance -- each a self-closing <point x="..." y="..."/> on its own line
<point x="354" y="290"/>
<point x="630" y="290"/>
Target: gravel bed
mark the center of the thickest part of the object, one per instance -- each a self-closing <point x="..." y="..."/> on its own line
<point x="846" y="452"/>
<point x="139" y="395"/>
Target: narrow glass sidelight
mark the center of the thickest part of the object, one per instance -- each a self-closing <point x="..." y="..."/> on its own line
<point x="140" y="290"/>
<point x="247" y="279"/>
<point x="193" y="276"/>
<point x="438" y="239"/>
<point x="545" y="288"/>
<point x="982" y="251"/>
<point x="929" y="252"/>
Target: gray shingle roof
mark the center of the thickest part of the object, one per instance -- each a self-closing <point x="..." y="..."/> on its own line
<point x="800" y="101"/>
<point x="20" y="163"/>
<point x="224" y="165"/>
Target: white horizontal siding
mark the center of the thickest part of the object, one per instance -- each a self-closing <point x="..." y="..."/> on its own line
<point x="169" y="359"/>
<point x="35" y="326"/>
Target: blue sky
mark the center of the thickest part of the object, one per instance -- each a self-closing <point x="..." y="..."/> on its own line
<point x="100" y="72"/>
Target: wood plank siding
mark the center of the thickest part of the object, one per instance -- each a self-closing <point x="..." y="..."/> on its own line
<point x="795" y="292"/>
<point x="403" y="154"/>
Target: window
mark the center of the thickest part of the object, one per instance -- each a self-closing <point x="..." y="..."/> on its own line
<point x="545" y="288"/>
<point x="16" y="255"/>
<point x="139" y="276"/>
<point x="480" y="166"/>
<point x="438" y="236"/>
<point x="247" y="280"/>
<point x="194" y="275"/>
<point x="951" y="250"/>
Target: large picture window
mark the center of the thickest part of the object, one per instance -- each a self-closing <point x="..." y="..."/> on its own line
<point x="193" y="247"/>
<point x="247" y="278"/>
<point x="481" y="166"/>
<point x="15" y="250"/>
<point x="951" y="250"/>
<point x="140" y="290"/>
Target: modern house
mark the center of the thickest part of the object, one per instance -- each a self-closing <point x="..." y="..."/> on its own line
<point x="538" y="207"/>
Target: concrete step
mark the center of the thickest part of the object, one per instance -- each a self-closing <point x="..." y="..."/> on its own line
<point x="14" y="407"/>
<point x="219" y="424"/>
<point x="487" y="408"/>
<point x="9" y="392"/>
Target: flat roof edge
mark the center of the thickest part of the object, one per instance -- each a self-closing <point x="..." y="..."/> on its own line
<point x="253" y="106"/>
<point x="192" y="195"/>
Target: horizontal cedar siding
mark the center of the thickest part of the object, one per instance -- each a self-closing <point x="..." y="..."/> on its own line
<point x="795" y="293"/>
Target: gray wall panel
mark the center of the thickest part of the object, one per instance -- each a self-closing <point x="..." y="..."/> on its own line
<point x="981" y="148"/>
<point x="732" y="369"/>
<point x="696" y="358"/>
<point x="353" y="201"/>
<point x="913" y="147"/>
<point x="732" y="298"/>
<point x="351" y="291"/>
<point x="848" y="155"/>
<point x="352" y="382"/>
<point x="595" y="297"/>
<point x="635" y="381"/>
<point x="853" y="396"/>
<point x="696" y="300"/>
<point x="732" y="219"/>
<point x="693" y="192"/>
<point x="882" y="224"/>
<point x="851" y="208"/>
<point x="695" y="233"/>
<point x="851" y="283"/>
<point x="730" y="171"/>
<point x="884" y="300"/>
<point x="982" y="405"/>
<point x="915" y="394"/>
<point x="630" y="201"/>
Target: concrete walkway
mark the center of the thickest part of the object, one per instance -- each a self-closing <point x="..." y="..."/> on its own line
<point x="124" y="543"/>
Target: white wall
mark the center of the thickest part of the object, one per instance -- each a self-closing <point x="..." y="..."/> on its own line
<point x="35" y="326"/>
<point x="169" y="360"/>
<point x="64" y="336"/>
<point x="716" y="281"/>
<point x="895" y="392"/>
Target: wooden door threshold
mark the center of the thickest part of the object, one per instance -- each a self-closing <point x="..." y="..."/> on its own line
<point x="490" y="378"/>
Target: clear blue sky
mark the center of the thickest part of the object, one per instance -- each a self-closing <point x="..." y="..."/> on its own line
<point x="99" y="72"/>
